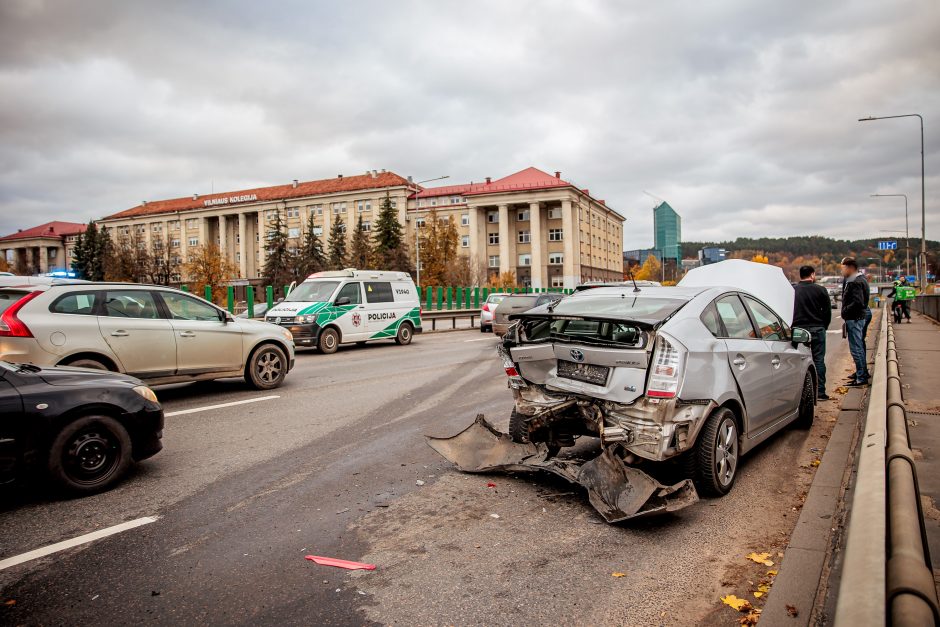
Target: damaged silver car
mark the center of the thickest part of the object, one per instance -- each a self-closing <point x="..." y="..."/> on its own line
<point x="698" y="375"/>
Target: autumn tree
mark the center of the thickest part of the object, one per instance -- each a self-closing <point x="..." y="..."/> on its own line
<point x="439" y="240"/>
<point x="130" y="258"/>
<point x="651" y="270"/>
<point x="337" y="246"/>
<point x="462" y="271"/>
<point x="4" y="264"/>
<point x="92" y="253"/>
<point x="760" y="258"/>
<point x="505" y="280"/>
<point x="208" y="266"/>
<point x="278" y="262"/>
<point x="391" y="251"/>
<point x="310" y="257"/>
<point x="360" y="253"/>
<point x="163" y="264"/>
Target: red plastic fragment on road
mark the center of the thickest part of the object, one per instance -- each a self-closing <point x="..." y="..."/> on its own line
<point x="491" y="485"/>
<point x="332" y="561"/>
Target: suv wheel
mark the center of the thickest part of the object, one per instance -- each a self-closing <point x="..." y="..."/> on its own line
<point x="266" y="367"/>
<point x="94" y="364"/>
<point x="328" y="342"/>
<point x="404" y="335"/>
<point x="807" y="411"/>
<point x="713" y="463"/>
<point x="89" y="454"/>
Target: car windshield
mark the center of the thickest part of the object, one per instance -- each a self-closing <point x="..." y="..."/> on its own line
<point x="647" y="309"/>
<point x="312" y="292"/>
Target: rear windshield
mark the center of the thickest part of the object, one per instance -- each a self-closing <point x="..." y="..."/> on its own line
<point x="649" y="309"/>
<point x="8" y="297"/>
<point x="601" y="332"/>
<point x="520" y="301"/>
<point x="312" y="292"/>
<point x="495" y="298"/>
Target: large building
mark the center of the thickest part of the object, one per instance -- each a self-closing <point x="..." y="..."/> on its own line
<point x="547" y="231"/>
<point x="667" y="227"/>
<point x="42" y="249"/>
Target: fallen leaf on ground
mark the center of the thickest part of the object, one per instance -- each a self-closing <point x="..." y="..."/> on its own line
<point x="842" y="389"/>
<point x="331" y="561"/>
<point x="761" y="590"/>
<point x="792" y="611"/>
<point x="491" y="485"/>
<point x="618" y="574"/>
<point x="815" y="462"/>
<point x="772" y="573"/>
<point x="760" y="558"/>
<point x="741" y="605"/>
<point x="751" y="618"/>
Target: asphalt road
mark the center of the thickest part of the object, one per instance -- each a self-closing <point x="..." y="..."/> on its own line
<point x="329" y="467"/>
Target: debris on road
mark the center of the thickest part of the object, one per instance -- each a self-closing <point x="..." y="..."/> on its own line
<point x="741" y="605"/>
<point x="332" y="561"/>
<point x="617" y="491"/>
<point x="618" y="574"/>
<point x="792" y="611"/>
<point x="760" y="558"/>
<point x="419" y="482"/>
<point x="491" y="485"/>
<point x="494" y="515"/>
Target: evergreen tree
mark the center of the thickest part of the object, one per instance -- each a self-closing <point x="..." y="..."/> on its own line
<point x="277" y="258"/>
<point x="311" y="257"/>
<point x="391" y="251"/>
<point x="91" y="253"/>
<point x="361" y="253"/>
<point x="337" y="259"/>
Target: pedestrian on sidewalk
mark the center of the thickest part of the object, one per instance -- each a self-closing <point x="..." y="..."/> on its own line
<point x="812" y="311"/>
<point x="903" y="294"/>
<point x="855" y="316"/>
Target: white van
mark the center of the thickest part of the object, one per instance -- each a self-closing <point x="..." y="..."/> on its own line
<point x="333" y="308"/>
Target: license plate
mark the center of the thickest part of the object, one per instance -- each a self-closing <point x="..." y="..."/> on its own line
<point x="588" y="373"/>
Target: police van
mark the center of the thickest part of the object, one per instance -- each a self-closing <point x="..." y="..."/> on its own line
<point x="333" y="308"/>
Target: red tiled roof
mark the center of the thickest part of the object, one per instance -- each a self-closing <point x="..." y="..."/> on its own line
<point x="524" y="180"/>
<point x="49" y="229"/>
<point x="277" y="192"/>
<point x="445" y="190"/>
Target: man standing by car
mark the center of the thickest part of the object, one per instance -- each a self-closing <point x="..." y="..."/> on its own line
<point x="854" y="314"/>
<point x="812" y="311"/>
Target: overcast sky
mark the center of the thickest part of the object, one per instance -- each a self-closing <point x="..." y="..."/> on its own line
<point x="741" y="114"/>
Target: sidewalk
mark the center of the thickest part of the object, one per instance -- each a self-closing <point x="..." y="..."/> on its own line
<point x="918" y="346"/>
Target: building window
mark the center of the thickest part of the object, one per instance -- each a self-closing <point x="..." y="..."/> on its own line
<point x="293" y="232"/>
<point x="420" y="202"/>
<point x="293" y="212"/>
<point x="419" y="223"/>
<point x="364" y="206"/>
<point x="554" y="213"/>
<point x="525" y="260"/>
<point x="494" y="238"/>
<point x="174" y="243"/>
<point x="191" y="223"/>
<point x="522" y="216"/>
<point x="494" y="261"/>
<point x="554" y="235"/>
<point x="524" y="237"/>
<point x="558" y="281"/>
<point x="194" y="241"/>
<point x="465" y="219"/>
<point x="456" y="200"/>
<point x="366" y="226"/>
<point x="492" y="217"/>
<point x="465" y="241"/>
<point x="394" y="204"/>
<point x="316" y="210"/>
<point x="339" y="207"/>
<point x="433" y="202"/>
<point x="318" y="230"/>
<point x="157" y="227"/>
<point x="556" y="259"/>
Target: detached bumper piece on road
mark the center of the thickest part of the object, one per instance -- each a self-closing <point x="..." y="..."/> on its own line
<point x="617" y="491"/>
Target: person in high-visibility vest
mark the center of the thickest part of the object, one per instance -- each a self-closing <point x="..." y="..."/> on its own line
<point x="903" y="294"/>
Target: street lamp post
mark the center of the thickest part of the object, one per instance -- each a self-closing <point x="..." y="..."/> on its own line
<point x="418" y="239"/>
<point x="922" y="265"/>
<point x="907" y="232"/>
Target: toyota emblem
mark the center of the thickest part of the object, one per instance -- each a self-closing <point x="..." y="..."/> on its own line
<point x="577" y="355"/>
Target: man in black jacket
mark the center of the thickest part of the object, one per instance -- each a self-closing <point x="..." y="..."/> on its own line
<point x="855" y="311"/>
<point x="812" y="311"/>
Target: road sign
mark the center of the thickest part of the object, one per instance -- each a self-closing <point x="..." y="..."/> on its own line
<point x="887" y="245"/>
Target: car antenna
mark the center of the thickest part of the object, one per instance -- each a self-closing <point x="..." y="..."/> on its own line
<point x="635" y="287"/>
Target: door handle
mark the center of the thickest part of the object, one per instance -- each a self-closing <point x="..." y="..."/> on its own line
<point x="120" y="333"/>
<point x="187" y="334"/>
<point x="739" y="361"/>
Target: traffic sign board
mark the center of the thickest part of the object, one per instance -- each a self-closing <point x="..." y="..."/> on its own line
<point x="887" y="245"/>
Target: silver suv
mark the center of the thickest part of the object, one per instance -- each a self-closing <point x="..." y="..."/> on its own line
<point x="158" y="334"/>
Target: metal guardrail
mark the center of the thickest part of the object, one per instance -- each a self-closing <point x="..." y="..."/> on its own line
<point x="450" y="314"/>
<point x="929" y="305"/>
<point x="887" y="579"/>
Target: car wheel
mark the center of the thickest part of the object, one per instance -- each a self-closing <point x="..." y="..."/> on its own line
<point x="807" y="411"/>
<point x="713" y="462"/>
<point x="266" y="367"/>
<point x="94" y="364"/>
<point x="89" y="454"/>
<point x="482" y="329"/>
<point x="328" y="342"/>
<point x="404" y="335"/>
<point x="518" y="430"/>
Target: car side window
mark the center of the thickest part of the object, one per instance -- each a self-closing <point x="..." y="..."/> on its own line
<point x="352" y="292"/>
<point x="79" y="303"/>
<point x="711" y="321"/>
<point x="771" y="328"/>
<point x="379" y="292"/>
<point x="183" y="307"/>
<point x="734" y="317"/>
<point x="130" y="304"/>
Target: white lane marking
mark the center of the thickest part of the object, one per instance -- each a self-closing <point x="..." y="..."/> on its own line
<point x="68" y="544"/>
<point x="194" y="410"/>
<point x="482" y="339"/>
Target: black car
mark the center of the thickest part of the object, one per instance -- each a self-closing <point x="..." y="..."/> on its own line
<point x="81" y="427"/>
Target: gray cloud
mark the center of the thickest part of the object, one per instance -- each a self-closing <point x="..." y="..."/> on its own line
<point x="742" y="115"/>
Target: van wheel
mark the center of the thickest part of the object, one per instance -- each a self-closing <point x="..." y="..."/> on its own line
<point x="94" y="364"/>
<point x="89" y="454"/>
<point x="713" y="463"/>
<point x="328" y="342"/>
<point x="807" y="411"/>
<point x="404" y="335"/>
<point x="266" y="367"/>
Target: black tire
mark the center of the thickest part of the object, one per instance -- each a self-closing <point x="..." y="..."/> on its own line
<point x="807" y="411"/>
<point x="707" y="464"/>
<point x="328" y="341"/>
<point x="89" y="455"/>
<point x="87" y="362"/>
<point x="266" y="368"/>
<point x="517" y="427"/>
<point x="405" y="334"/>
<point x="482" y="329"/>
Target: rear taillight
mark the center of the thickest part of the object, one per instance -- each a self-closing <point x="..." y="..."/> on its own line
<point x="486" y="307"/>
<point x="10" y="324"/>
<point x="665" y="369"/>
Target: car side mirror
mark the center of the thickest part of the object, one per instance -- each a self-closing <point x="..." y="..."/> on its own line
<point x="342" y="300"/>
<point x="801" y="336"/>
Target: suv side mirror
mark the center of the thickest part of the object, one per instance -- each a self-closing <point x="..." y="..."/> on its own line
<point x="342" y="300"/>
<point x="801" y="336"/>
